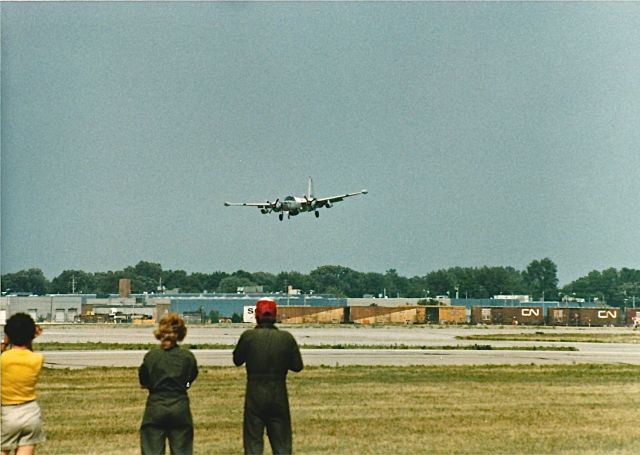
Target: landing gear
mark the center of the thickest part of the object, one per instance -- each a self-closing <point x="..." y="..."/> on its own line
<point x="317" y="214"/>
<point x="281" y="216"/>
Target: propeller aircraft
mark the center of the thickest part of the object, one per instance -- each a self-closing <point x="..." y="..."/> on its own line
<point x="294" y="205"/>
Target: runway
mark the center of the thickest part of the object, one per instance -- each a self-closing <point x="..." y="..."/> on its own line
<point x="343" y="357"/>
<point x="613" y="353"/>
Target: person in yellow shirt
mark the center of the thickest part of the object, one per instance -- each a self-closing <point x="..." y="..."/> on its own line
<point x="21" y="418"/>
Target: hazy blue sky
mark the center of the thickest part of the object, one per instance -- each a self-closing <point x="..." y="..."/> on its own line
<point x="487" y="134"/>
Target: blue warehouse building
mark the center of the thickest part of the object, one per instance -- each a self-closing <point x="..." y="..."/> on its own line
<point x="228" y="304"/>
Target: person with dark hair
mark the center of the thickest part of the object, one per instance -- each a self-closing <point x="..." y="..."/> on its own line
<point x="168" y="372"/>
<point x="21" y="417"/>
<point x="269" y="353"/>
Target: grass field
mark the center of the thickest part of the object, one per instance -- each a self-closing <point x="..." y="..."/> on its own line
<point x="568" y="409"/>
<point x="92" y="346"/>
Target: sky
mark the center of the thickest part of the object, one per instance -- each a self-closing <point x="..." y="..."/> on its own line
<point x="487" y="134"/>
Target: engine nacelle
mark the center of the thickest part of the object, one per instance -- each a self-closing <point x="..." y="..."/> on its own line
<point x="264" y="211"/>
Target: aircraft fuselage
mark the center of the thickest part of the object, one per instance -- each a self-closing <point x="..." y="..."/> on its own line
<point x="293" y="205"/>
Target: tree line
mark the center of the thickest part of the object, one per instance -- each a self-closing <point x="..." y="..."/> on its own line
<point x="539" y="280"/>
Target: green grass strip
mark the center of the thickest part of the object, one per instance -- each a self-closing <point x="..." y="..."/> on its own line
<point x="629" y="338"/>
<point x="97" y="346"/>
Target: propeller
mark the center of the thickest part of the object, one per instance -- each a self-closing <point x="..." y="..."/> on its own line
<point x="273" y="206"/>
<point x="311" y="203"/>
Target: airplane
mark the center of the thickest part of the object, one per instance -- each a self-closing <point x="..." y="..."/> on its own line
<point x="294" y="205"/>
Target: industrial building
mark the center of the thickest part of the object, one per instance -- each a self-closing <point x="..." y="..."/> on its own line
<point x="300" y="308"/>
<point x="116" y="308"/>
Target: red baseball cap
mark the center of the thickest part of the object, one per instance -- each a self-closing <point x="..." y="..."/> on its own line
<point x="266" y="309"/>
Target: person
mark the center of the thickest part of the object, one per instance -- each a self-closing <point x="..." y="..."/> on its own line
<point x="269" y="353"/>
<point x="21" y="425"/>
<point x="168" y="372"/>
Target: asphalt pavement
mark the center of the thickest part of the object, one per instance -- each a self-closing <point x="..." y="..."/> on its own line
<point x="428" y="336"/>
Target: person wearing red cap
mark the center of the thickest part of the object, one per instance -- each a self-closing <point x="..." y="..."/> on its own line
<point x="269" y="353"/>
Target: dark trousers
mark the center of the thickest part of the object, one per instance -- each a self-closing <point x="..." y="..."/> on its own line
<point x="166" y="419"/>
<point x="267" y="407"/>
<point x="153" y="437"/>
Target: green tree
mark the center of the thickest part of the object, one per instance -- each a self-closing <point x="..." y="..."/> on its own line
<point x="243" y="274"/>
<point x="417" y="287"/>
<point x="108" y="282"/>
<point x="354" y="284"/>
<point x="232" y="283"/>
<point x="395" y="285"/>
<point x="541" y="279"/>
<point x="177" y="279"/>
<point x="629" y="280"/>
<point x="296" y="280"/>
<point x="501" y="280"/>
<point x="340" y="281"/>
<point x="31" y="280"/>
<point x="329" y="278"/>
<point x="266" y="280"/>
<point x="373" y="283"/>
<point x="440" y="282"/>
<point x="201" y="282"/>
<point x="608" y="286"/>
<point x="74" y="281"/>
<point x="145" y="277"/>
<point x="611" y="291"/>
<point x="150" y="270"/>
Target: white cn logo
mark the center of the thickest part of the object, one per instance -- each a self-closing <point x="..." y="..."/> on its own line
<point x="530" y="312"/>
<point x="607" y="314"/>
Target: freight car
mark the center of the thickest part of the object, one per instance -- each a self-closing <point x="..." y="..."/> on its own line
<point x="507" y="315"/>
<point x="310" y="315"/>
<point x="592" y="317"/>
<point x="387" y="315"/>
<point x="486" y="315"/>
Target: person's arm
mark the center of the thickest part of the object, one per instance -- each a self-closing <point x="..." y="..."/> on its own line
<point x="194" y="371"/>
<point x="296" y="358"/>
<point x="143" y="374"/>
<point x="239" y="352"/>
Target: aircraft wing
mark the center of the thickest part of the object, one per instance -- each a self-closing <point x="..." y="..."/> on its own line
<point x="265" y="207"/>
<point x="327" y="201"/>
<point x="260" y="205"/>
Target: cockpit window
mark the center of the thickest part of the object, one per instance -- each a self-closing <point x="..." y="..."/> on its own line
<point x="289" y="198"/>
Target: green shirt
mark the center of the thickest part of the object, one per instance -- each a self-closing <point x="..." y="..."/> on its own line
<point x="168" y="371"/>
<point x="267" y="352"/>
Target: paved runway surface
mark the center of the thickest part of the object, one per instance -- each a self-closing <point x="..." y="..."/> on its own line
<point x="388" y="335"/>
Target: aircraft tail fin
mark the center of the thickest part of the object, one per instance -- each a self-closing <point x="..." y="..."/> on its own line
<point x="310" y="189"/>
